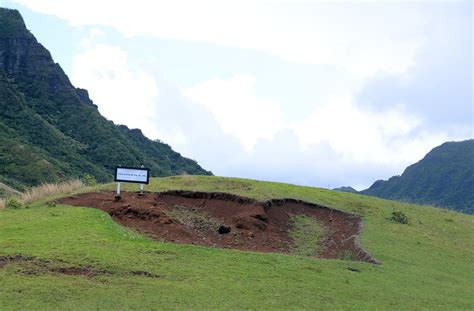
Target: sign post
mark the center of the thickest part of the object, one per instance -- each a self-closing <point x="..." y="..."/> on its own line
<point x="117" y="196"/>
<point x="141" y="185"/>
<point x="140" y="175"/>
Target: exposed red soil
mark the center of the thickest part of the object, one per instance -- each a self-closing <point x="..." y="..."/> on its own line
<point x="254" y="226"/>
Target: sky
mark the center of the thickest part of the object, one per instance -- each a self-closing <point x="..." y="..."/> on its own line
<point x="318" y="93"/>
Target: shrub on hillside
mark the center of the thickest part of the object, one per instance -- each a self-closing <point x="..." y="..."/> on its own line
<point x="12" y="203"/>
<point x="89" y="180"/>
<point x="400" y="217"/>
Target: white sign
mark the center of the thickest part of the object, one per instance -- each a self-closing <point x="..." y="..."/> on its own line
<point x="132" y="174"/>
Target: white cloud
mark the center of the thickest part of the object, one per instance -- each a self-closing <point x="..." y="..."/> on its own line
<point x="356" y="133"/>
<point x="225" y="126"/>
<point x="362" y="38"/>
<point x="338" y="138"/>
<point x="94" y="34"/>
<point x="123" y="95"/>
<point x="237" y="109"/>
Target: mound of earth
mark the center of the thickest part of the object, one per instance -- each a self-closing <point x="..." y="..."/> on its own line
<point x="227" y="221"/>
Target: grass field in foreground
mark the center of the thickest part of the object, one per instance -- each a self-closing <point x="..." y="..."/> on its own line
<point x="427" y="264"/>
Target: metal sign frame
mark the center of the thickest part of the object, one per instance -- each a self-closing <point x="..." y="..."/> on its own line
<point x="132" y="168"/>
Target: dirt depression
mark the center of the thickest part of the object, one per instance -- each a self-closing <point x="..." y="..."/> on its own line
<point x="227" y="221"/>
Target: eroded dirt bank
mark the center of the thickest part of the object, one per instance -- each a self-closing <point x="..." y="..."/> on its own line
<point x="227" y="221"/>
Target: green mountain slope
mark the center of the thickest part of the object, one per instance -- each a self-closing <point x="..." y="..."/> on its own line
<point x="426" y="264"/>
<point x="443" y="178"/>
<point x="50" y="130"/>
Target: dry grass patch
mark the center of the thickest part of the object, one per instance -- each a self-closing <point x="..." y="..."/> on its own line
<point x="42" y="192"/>
<point x="47" y="190"/>
<point x="193" y="219"/>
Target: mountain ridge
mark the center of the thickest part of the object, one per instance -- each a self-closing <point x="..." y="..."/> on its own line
<point x="443" y="178"/>
<point x="52" y="130"/>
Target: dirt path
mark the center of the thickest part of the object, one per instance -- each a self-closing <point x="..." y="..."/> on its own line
<point x="227" y="221"/>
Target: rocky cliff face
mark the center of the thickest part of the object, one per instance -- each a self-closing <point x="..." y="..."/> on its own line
<point x="43" y="112"/>
<point x="30" y="63"/>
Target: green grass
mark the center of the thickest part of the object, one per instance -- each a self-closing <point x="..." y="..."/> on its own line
<point x="307" y="234"/>
<point x="426" y="264"/>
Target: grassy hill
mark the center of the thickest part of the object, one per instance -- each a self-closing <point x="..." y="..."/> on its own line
<point x="444" y="178"/>
<point x="426" y="264"/>
<point x="50" y="130"/>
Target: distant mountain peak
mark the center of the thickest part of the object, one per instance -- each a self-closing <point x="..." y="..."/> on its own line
<point x="12" y="24"/>
<point x="443" y="178"/>
<point x="346" y="189"/>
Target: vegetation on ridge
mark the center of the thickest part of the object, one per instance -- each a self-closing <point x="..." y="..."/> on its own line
<point x="443" y="178"/>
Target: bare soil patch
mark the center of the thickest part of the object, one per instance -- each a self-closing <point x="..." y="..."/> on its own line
<point x="33" y="266"/>
<point x="29" y="265"/>
<point x="227" y="221"/>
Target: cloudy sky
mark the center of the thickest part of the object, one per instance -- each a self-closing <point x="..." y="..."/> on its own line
<point x="309" y="92"/>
